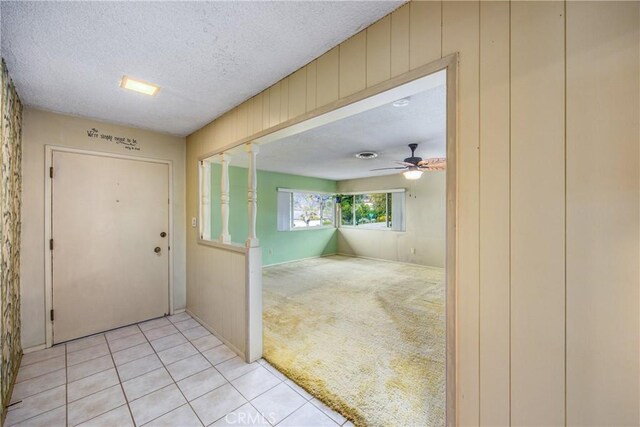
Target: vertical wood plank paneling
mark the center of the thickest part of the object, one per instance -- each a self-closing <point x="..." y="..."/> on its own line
<point x="274" y="104"/>
<point x="400" y="40"/>
<point x="494" y="213"/>
<point x="379" y="51"/>
<point x="460" y="34"/>
<point x="242" y="122"/>
<point x="284" y="100"/>
<point x="328" y="77"/>
<point x="257" y="113"/>
<point x="266" y="99"/>
<point x="425" y="32"/>
<point x="298" y="93"/>
<point x="602" y="213"/>
<point x="353" y="64"/>
<point x="312" y="84"/>
<point x="537" y="213"/>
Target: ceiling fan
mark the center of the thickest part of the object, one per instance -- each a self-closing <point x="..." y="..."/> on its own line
<point x="414" y="166"/>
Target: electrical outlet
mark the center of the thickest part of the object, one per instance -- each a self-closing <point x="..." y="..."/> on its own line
<point x="413" y="251"/>
<point x="194" y="222"/>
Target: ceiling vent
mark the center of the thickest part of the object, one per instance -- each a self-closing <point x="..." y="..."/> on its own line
<point x="367" y="155"/>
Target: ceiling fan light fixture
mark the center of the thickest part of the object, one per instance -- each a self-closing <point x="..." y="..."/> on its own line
<point x="412" y="174"/>
<point x="367" y="155"/>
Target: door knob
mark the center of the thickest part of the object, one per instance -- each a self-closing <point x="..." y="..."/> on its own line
<point x="157" y="249"/>
<point x="163" y="234"/>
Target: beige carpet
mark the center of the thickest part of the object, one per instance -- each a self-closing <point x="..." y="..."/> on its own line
<point x="366" y="337"/>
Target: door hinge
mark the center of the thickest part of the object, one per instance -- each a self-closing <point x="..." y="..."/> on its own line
<point x="51" y="314"/>
<point x="50" y="244"/>
<point x="51" y="172"/>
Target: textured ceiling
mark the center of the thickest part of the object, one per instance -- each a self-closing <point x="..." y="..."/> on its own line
<point x="207" y="57"/>
<point x="328" y="151"/>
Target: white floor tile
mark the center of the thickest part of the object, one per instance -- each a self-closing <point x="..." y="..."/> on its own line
<point x="54" y="418"/>
<point x="182" y="416"/>
<point x="217" y="403"/>
<point x="122" y="332"/>
<point x="328" y="411"/>
<point x="244" y="416"/>
<point x="154" y="334"/>
<point x="186" y="324"/>
<point x="156" y="404"/>
<point x="168" y="341"/>
<point x="132" y="353"/>
<point x="139" y="367"/>
<point x="219" y="354"/>
<point x="83" y="343"/>
<point x="302" y="392"/>
<point x="87" y="354"/>
<point x="38" y="384"/>
<point x="195" y="333"/>
<point x="40" y="355"/>
<point x="203" y="382"/>
<point x="179" y="317"/>
<point x="255" y="382"/>
<point x="153" y="324"/>
<point x="119" y="417"/>
<point x="92" y="384"/>
<point x="206" y="342"/>
<point x="274" y="371"/>
<point x="308" y="416"/>
<point x="128" y="341"/>
<point x="236" y="367"/>
<point x="36" y="405"/>
<point x="40" y="368"/>
<point x="187" y="367"/>
<point x="147" y="383"/>
<point x="89" y="367"/>
<point x="95" y="404"/>
<point x="278" y="403"/>
<point x="177" y="353"/>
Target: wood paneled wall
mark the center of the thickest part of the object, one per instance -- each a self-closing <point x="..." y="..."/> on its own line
<point x="548" y="261"/>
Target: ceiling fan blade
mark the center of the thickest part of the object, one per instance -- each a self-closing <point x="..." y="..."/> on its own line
<point x="407" y="164"/>
<point x="384" y="169"/>
<point x="435" y="163"/>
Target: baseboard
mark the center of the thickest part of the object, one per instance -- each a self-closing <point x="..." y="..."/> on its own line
<point x="34" y="348"/>
<point x="300" y="259"/>
<point x="217" y="335"/>
<point x="387" y="260"/>
<point x="180" y="310"/>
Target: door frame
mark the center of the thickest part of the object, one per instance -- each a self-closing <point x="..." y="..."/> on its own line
<point x="48" y="206"/>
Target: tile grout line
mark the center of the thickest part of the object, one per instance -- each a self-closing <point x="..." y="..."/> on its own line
<point x="175" y="383"/>
<point x="115" y="367"/>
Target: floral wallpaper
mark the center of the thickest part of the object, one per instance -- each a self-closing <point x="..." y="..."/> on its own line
<point x="10" y="200"/>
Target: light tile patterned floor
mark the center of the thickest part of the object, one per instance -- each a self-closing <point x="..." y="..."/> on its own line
<point x="165" y="372"/>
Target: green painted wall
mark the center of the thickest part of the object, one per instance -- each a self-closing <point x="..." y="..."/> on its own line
<point x="277" y="246"/>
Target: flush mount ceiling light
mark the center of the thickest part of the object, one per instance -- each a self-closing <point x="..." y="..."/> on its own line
<point x="139" y="86"/>
<point x="401" y="102"/>
<point x="412" y="174"/>
<point x="367" y="155"/>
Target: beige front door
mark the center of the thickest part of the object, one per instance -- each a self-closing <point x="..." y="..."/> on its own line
<point x="110" y="260"/>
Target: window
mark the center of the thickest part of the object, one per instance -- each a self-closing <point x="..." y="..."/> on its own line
<point x="379" y="210"/>
<point x="298" y="210"/>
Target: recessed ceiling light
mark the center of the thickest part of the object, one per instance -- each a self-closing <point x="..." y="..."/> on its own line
<point x="401" y="102"/>
<point x="139" y="86"/>
<point x="367" y="155"/>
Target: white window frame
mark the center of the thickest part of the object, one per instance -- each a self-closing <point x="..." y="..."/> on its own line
<point x="401" y="229"/>
<point x="289" y="226"/>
